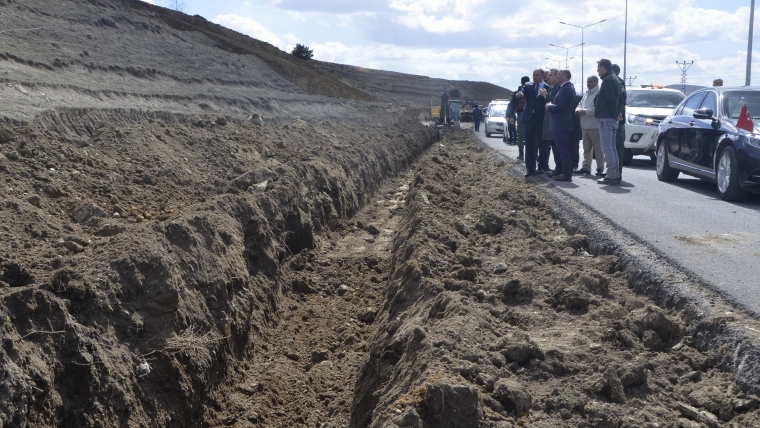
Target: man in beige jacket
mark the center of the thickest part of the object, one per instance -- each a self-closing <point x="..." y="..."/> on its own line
<point x="592" y="142"/>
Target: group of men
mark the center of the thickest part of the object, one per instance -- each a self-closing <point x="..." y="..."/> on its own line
<point x="551" y="116"/>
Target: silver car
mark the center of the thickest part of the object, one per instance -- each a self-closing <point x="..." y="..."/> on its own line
<point x="496" y="122"/>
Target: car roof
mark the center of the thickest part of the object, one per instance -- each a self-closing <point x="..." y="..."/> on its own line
<point x="730" y="88"/>
<point x="654" y="89"/>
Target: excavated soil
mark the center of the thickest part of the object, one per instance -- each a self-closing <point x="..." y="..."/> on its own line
<point x="493" y="316"/>
<point x="199" y="230"/>
<point x="199" y="272"/>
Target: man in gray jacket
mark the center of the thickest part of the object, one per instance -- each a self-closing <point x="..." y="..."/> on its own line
<point x="592" y="144"/>
<point x="608" y="114"/>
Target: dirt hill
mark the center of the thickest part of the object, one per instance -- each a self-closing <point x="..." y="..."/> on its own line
<point x="128" y="54"/>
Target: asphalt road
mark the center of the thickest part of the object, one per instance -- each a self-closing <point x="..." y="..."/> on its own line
<point x="686" y="220"/>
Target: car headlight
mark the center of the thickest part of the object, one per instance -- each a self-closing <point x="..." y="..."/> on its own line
<point x="636" y="119"/>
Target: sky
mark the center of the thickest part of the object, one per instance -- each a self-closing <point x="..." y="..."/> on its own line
<point x="498" y="41"/>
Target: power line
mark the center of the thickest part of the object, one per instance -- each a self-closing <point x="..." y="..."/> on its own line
<point x="630" y="80"/>
<point x="684" y="66"/>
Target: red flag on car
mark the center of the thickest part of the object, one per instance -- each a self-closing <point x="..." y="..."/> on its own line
<point x="745" y="120"/>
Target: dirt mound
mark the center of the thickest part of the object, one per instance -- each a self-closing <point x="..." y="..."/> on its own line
<point x="141" y="265"/>
<point x="484" y="326"/>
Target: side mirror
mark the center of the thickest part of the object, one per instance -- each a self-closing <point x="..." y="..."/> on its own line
<point x="703" y="113"/>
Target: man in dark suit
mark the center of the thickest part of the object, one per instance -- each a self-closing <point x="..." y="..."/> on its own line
<point x="514" y="114"/>
<point x="561" y="124"/>
<point x="533" y="117"/>
<point x="477" y="115"/>
<point x="576" y="136"/>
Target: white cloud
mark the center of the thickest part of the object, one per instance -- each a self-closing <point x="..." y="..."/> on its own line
<point x="424" y="14"/>
<point x="296" y="15"/>
<point x="497" y="41"/>
<point x="248" y="26"/>
<point x="149" y="1"/>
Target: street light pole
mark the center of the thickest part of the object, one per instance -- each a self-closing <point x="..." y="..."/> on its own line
<point x="559" y="61"/>
<point x="625" y="38"/>
<point x="567" y="50"/>
<point x="583" y="44"/>
<point x="749" y="44"/>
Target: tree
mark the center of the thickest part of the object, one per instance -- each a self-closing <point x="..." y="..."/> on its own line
<point x="455" y="94"/>
<point x="177" y="5"/>
<point x="302" y="52"/>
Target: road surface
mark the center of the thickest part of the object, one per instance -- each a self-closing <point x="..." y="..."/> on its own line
<point x="716" y="240"/>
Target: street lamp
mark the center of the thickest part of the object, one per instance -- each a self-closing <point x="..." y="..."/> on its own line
<point x="583" y="76"/>
<point x="566" y="51"/>
<point x="559" y="61"/>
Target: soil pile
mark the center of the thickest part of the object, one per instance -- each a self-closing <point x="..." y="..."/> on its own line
<point x="495" y="317"/>
<point x="143" y="265"/>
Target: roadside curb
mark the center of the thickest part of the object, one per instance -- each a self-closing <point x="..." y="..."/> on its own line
<point x="714" y="323"/>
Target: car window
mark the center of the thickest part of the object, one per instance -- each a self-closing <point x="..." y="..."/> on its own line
<point x="711" y="102"/>
<point x="498" y="111"/>
<point x="653" y="99"/>
<point x="692" y="104"/>
<point x="732" y="103"/>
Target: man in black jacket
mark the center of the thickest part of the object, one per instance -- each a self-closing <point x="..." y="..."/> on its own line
<point x="607" y="112"/>
<point x="477" y="115"/>
<point x="620" y="133"/>
<point x="514" y="113"/>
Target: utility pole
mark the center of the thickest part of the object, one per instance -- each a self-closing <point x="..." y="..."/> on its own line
<point x="684" y="66"/>
<point x="630" y="80"/>
<point x="749" y="43"/>
<point x="625" y="40"/>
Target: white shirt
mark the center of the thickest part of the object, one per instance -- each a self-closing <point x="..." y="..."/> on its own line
<point x="588" y="121"/>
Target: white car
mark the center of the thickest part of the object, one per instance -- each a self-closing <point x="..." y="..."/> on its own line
<point x="645" y="108"/>
<point x="496" y="121"/>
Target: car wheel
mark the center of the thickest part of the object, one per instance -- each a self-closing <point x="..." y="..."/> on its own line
<point x="627" y="157"/>
<point x="664" y="171"/>
<point x="653" y="157"/>
<point x="728" y="177"/>
<point x="488" y="135"/>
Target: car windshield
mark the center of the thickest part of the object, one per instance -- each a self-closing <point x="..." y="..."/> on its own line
<point x="654" y="99"/>
<point x="732" y="103"/>
<point x="498" y="111"/>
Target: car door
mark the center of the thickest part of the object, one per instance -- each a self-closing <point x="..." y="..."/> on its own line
<point x="681" y="135"/>
<point x="706" y="138"/>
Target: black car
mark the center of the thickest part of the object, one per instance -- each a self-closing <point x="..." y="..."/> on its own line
<point x="700" y="138"/>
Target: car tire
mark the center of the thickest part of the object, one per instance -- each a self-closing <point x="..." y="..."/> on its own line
<point x="627" y="157"/>
<point x="488" y="135"/>
<point x="664" y="171"/>
<point x="653" y="157"/>
<point x="727" y="177"/>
